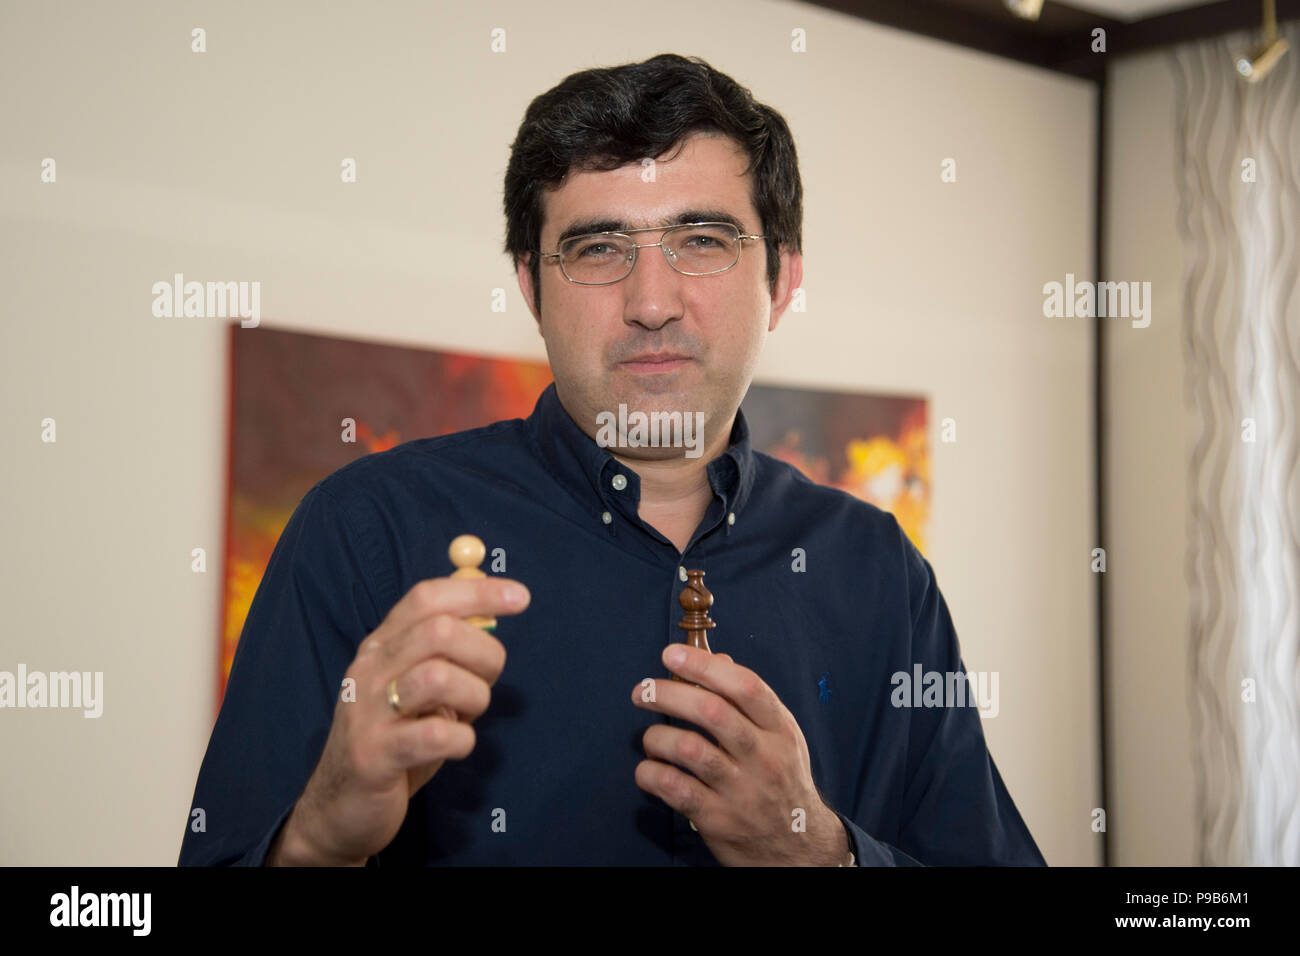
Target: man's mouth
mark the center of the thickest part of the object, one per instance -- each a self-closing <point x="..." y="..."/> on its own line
<point x="655" y="362"/>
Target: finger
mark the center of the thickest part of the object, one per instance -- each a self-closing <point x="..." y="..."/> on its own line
<point x="687" y="749"/>
<point x="683" y="793"/>
<point x="735" y="733"/>
<point x="740" y="685"/>
<point x="438" y="681"/>
<point x="459" y="597"/>
<point x="413" y="743"/>
<point x="458" y="641"/>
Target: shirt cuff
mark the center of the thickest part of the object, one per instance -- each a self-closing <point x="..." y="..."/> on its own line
<point x="257" y="855"/>
<point x="868" y="851"/>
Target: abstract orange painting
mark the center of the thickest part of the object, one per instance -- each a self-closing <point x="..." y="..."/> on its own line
<point x="296" y="400"/>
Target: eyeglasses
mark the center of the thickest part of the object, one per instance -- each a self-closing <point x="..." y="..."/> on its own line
<point x="693" y="249"/>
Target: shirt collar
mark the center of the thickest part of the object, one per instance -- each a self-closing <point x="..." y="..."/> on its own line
<point x="586" y="469"/>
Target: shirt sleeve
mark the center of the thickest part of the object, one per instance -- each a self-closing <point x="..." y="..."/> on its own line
<point x="315" y="604"/>
<point x="956" y="809"/>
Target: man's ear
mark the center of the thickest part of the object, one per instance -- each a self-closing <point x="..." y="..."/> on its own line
<point x="524" y="274"/>
<point x="789" y="278"/>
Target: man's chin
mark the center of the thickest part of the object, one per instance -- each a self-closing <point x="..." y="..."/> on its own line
<point x="634" y="453"/>
<point x="652" y="426"/>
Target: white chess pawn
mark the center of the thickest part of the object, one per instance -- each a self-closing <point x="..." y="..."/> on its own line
<point x="467" y="553"/>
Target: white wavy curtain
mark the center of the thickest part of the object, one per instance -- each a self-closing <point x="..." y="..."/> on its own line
<point x="1241" y="345"/>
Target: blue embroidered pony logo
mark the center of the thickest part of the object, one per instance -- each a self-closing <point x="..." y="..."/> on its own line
<point x="824" y="688"/>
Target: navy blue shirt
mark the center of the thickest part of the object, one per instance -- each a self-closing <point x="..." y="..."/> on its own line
<point x="818" y="592"/>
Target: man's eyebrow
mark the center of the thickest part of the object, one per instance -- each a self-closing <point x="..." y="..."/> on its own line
<point x="584" y="226"/>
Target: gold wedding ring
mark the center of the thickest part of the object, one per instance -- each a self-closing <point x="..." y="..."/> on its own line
<point x="395" y="702"/>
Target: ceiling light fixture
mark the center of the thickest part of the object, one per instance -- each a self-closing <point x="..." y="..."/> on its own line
<point x="1025" y="9"/>
<point x="1254" y="66"/>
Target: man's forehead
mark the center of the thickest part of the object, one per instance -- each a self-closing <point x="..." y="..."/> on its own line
<point x="706" y="177"/>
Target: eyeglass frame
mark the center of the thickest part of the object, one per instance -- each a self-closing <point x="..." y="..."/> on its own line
<point x="637" y="246"/>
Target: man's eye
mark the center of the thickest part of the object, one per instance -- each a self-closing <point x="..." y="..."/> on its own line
<point x="596" y="249"/>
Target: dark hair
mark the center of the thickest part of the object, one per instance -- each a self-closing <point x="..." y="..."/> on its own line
<point x="603" y="118"/>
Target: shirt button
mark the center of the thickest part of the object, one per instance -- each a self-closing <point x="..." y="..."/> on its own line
<point x="619" y="482"/>
<point x="681" y="572"/>
<point x="731" y="518"/>
<point x="606" y="517"/>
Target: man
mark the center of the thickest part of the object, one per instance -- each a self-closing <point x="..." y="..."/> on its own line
<point x="366" y="721"/>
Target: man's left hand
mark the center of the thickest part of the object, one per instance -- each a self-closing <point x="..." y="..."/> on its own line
<point x="751" y="796"/>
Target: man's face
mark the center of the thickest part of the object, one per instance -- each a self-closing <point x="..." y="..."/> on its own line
<point x="659" y="340"/>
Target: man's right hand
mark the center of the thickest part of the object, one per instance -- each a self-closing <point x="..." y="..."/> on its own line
<point x="375" y="759"/>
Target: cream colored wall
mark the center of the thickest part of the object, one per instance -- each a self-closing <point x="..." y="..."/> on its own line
<point x="1153" y="816"/>
<point x="225" y="165"/>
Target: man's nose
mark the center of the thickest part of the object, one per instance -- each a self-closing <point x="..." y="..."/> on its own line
<point x="652" y="293"/>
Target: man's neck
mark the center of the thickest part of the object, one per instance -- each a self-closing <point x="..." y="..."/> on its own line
<point x="675" y="492"/>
